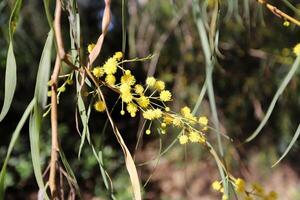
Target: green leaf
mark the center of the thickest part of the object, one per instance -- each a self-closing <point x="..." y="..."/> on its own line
<point x="35" y="122"/>
<point x="11" y="66"/>
<point x="296" y="135"/>
<point x="12" y="143"/>
<point x="41" y="87"/>
<point x="280" y="90"/>
<point x="10" y="81"/>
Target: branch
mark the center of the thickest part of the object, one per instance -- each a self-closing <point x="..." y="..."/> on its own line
<point x="278" y="12"/>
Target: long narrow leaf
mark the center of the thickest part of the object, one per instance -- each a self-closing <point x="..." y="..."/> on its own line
<point x="11" y="66"/>
<point x="10" y="81"/>
<point x="280" y="90"/>
<point x="12" y="143"/>
<point x="296" y="135"/>
<point x="40" y="95"/>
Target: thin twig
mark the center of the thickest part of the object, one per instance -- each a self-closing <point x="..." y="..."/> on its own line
<point x="278" y="12"/>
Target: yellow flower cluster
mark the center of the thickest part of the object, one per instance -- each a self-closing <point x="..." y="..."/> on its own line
<point x="149" y="99"/>
<point x="256" y="191"/>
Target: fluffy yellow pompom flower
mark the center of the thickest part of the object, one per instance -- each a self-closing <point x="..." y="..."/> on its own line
<point x="296" y="49"/>
<point x="177" y="122"/>
<point x="216" y="185"/>
<point x="98" y="72"/>
<point x="118" y="55"/>
<point x="240" y="185"/>
<point x="138" y="89"/>
<point x="150" y="81"/>
<point x="152" y="114"/>
<point x="185" y="111"/>
<point x="99" y="106"/>
<point x="110" y="79"/>
<point x="165" y="95"/>
<point x="143" y="101"/>
<point x="203" y="120"/>
<point x="160" y="85"/>
<point x="125" y="88"/>
<point x="194" y="136"/>
<point x="128" y="79"/>
<point x="168" y="119"/>
<point x="183" y="139"/>
<point x="91" y="47"/>
<point x="132" y="109"/>
<point x="126" y="97"/>
<point x="110" y="66"/>
<point x="148" y="131"/>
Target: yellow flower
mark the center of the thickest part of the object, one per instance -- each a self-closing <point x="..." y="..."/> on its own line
<point x="99" y="106"/>
<point x="91" y="47"/>
<point x="110" y="79"/>
<point x="185" y="111"/>
<point x="122" y="112"/>
<point x="183" y="139"/>
<point x="143" y="101"/>
<point x="160" y="85"/>
<point x="203" y="120"/>
<point x="157" y="113"/>
<point x="148" y="131"/>
<point x="126" y="97"/>
<point x="258" y="189"/>
<point x="163" y="125"/>
<point x="167" y="109"/>
<point x="168" y="119"/>
<point x="194" y="136"/>
<point x="152" y="114"/>
<point x="216" y="185"/>
<point x="165" y="95"/>
<point x="132" y="109"/>
<point x="138" y="89"/>
<point x="202" y="139"/>
<point x="110" y="66"/>
<point x="98" y="72"/>
<point x="150" y="81"/>
<point x="118" y="55"/>
<point x="240" y="185"/>
<point x="296" y="49"/>
<point x="125" y="88"/>
<point x="177" y="122"/>
<point x="128" y="79"/>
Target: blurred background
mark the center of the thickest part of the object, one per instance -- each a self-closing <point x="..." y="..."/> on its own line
<point x="255" y="53"/>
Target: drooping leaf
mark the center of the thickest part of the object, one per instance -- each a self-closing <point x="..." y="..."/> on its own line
<point x="295" y="137"/>
<point x="280" y="90"/>
<point x="10" y="81"/>
<point x="11" y="66"/>
<point x="35" y="122"/>
<point x="12" y="143"/>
